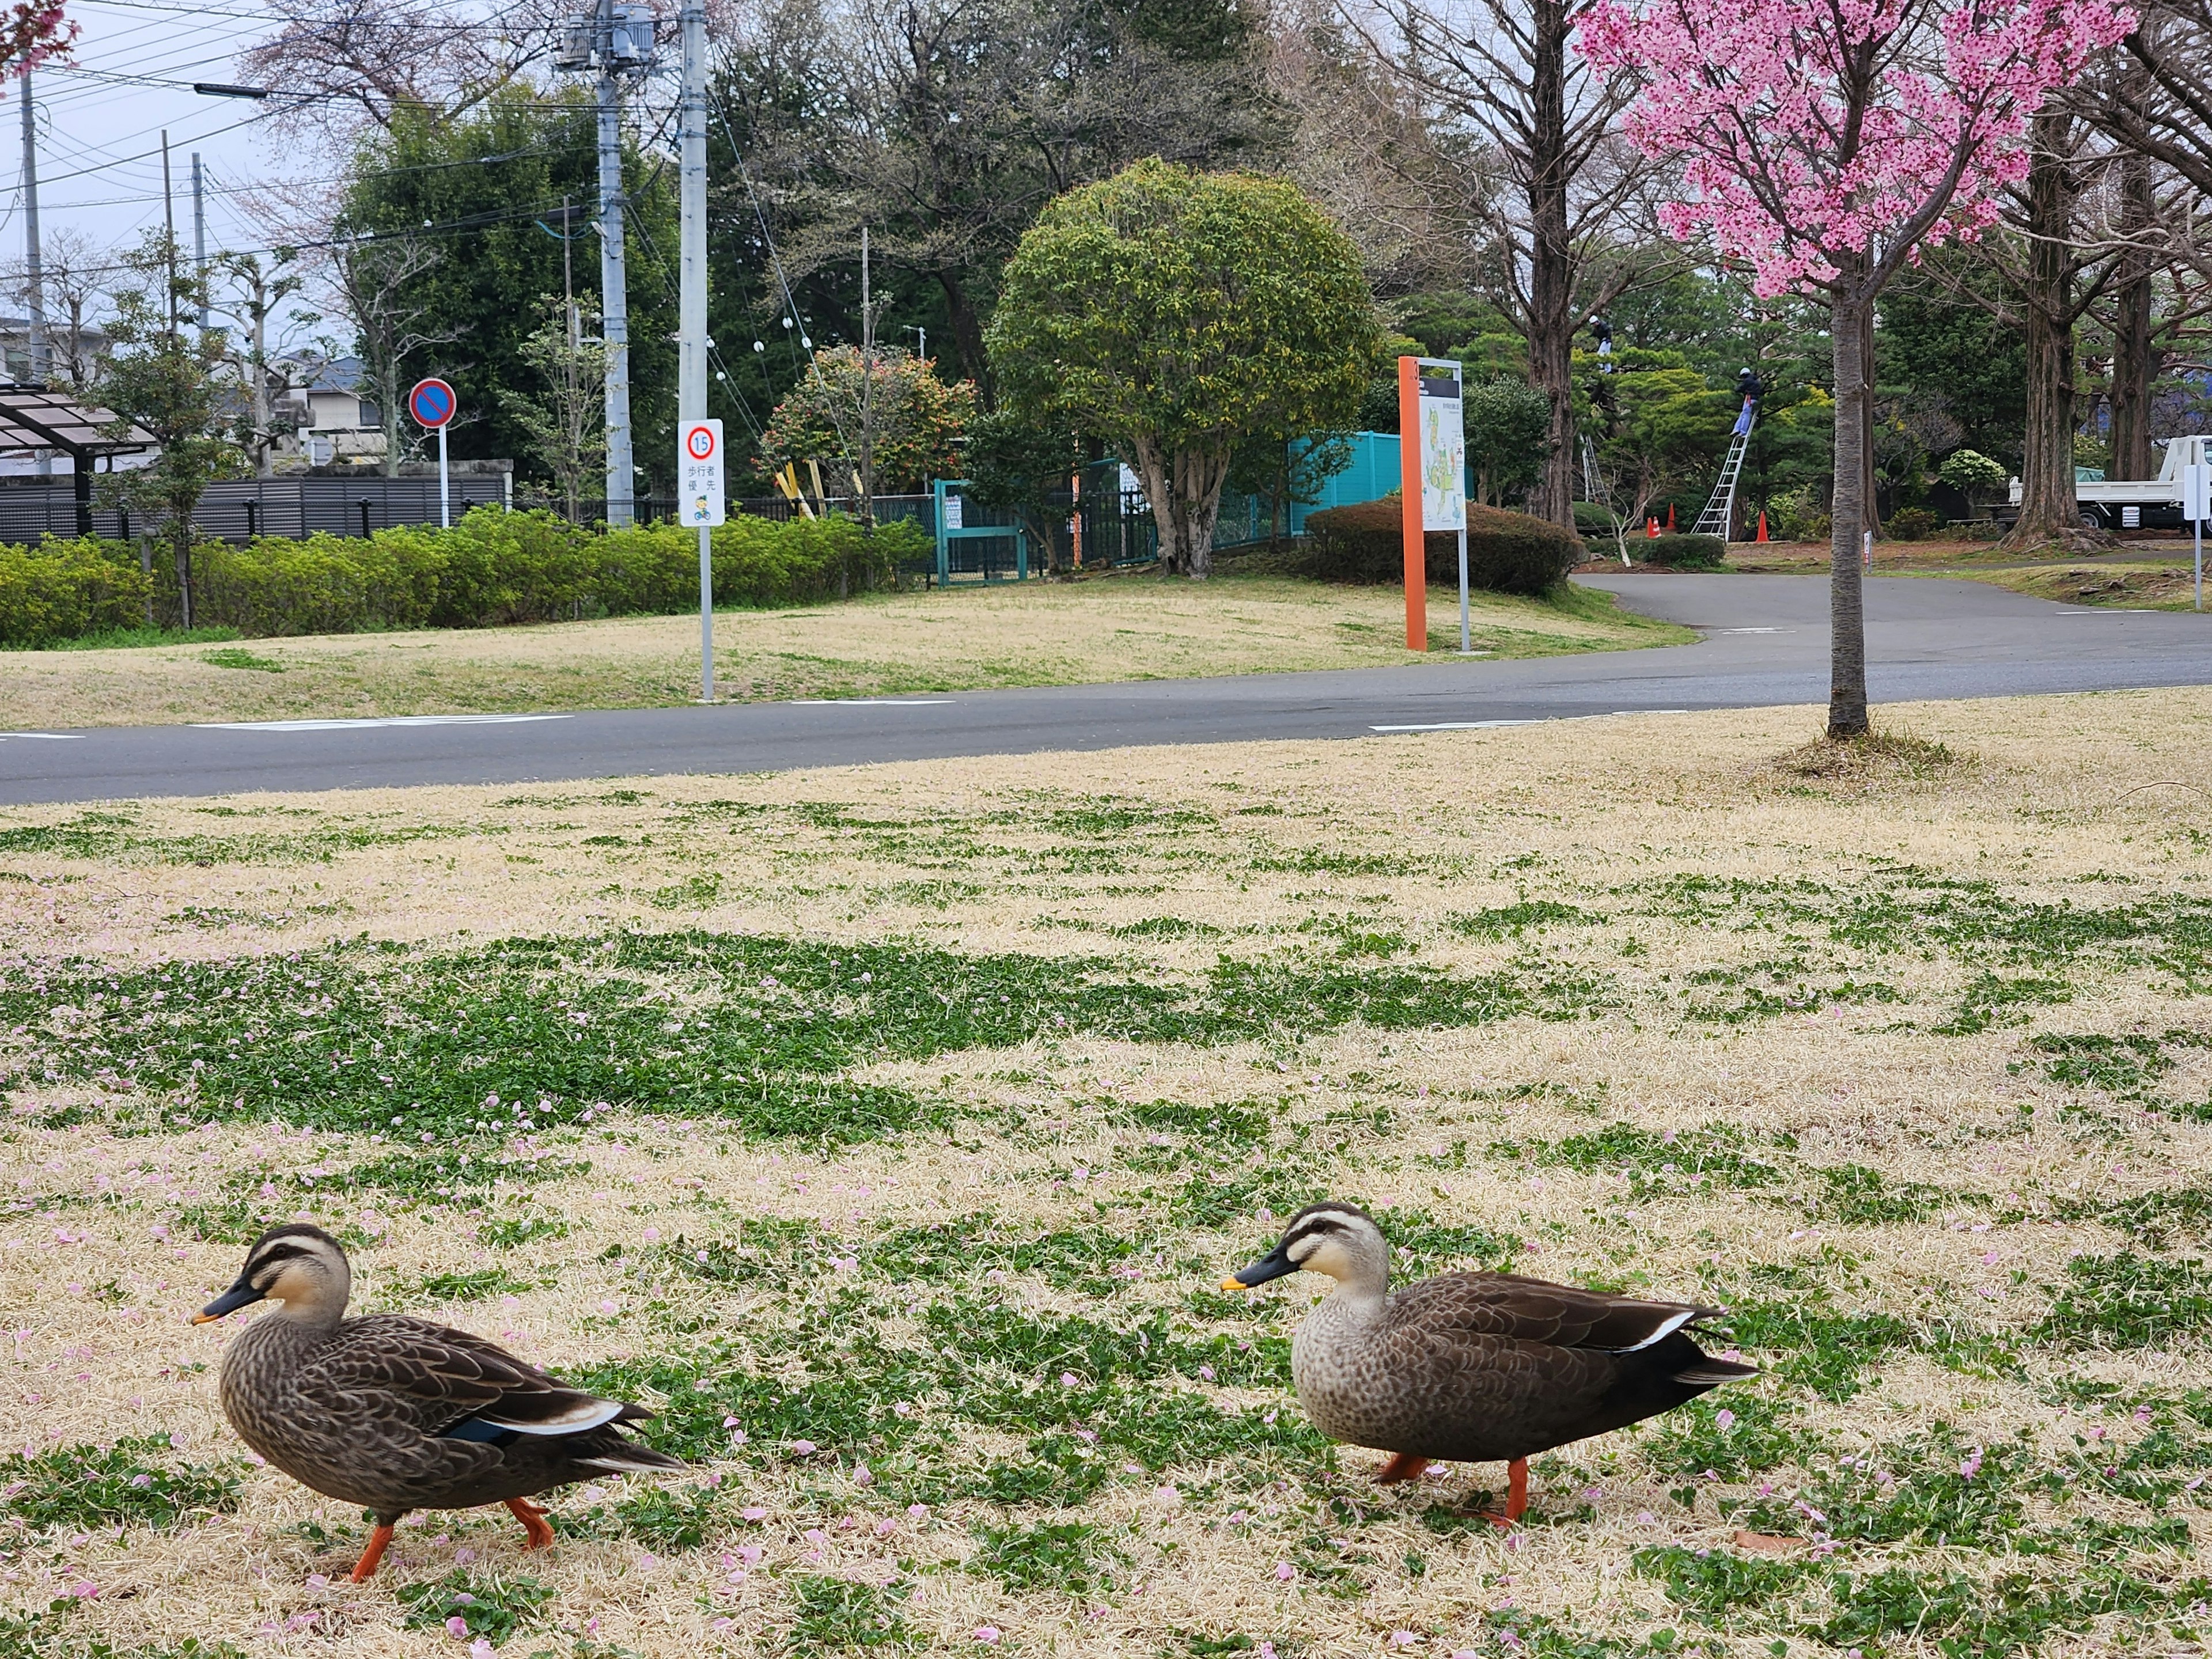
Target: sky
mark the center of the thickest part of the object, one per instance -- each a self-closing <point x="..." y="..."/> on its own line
<point x="101" y="122"/>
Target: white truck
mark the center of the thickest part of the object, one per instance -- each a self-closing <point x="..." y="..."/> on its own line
<point x="2137" y="503"/>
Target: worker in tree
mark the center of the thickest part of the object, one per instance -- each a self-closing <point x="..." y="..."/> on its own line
<point x="1751" y="389"/>
<point x="1602" y="331"/>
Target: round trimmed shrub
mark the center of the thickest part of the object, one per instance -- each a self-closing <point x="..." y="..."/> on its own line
<point x="1679" y="550"/>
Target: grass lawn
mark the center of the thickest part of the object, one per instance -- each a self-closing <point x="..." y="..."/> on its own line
<point x="890" y="1129"/>
<point x="2145" y="575"/>
<point x="1127" y="627"/>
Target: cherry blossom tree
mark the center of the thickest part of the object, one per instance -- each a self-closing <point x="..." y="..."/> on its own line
<point x="30" y="32"/>
<point x="1822" y="142"/>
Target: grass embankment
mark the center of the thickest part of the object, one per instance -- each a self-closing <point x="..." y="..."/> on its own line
<point x="903" y="1120"/>
<point x="1126" y="628"/>
<point x="2146" y="575"/>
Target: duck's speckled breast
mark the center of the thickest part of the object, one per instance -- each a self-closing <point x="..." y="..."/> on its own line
<point x="258" y="1397"/>
<point x="1340" y="1379"/>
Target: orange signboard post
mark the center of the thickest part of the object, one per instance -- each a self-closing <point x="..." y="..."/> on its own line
<point x="1409" y="490"/>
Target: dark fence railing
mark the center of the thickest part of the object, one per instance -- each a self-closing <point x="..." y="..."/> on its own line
<point x="239" y="509"/>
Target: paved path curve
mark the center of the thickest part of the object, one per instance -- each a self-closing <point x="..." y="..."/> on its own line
<point x="1765" y="642"/>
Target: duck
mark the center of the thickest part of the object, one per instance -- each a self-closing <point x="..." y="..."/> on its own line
<point x="397" y="1414"/>
<point x="1474" y="1367"/>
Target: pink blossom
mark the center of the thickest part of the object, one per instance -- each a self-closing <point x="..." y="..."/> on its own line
<point x="1803" y="167"/>
<point x="1285" y="1571"/>
<point x="987" y="1634"/>
<point x="456" y="1627"/>
<point x="1723" y="1419"/>
<point x="755" y="1512"/>
<point x="480" y="1649"/>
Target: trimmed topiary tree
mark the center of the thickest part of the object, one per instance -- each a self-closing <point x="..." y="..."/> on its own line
<point x="1176" y="314"/>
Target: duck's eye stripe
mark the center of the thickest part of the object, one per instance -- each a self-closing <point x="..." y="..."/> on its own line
<point x="279" y="1253"/>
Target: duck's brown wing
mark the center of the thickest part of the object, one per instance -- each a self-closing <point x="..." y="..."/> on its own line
<point x="1496" y="1365"/>
<point x="379" y="1409"/>
<point x="1516" y="1309"/>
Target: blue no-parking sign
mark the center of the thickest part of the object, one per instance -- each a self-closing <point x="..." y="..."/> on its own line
<point x="432" y="404"/>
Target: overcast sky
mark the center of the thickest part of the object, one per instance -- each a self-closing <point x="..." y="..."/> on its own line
<point x="101" y="123"/>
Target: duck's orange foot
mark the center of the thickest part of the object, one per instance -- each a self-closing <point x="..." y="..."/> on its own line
<point x="366" y="1567"/>
<point x="534" y="1522"/>
<point x="1402" y="1466"/>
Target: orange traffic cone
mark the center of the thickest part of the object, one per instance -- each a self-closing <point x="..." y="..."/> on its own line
<point x="1652" y="529"/>
<point x="1670" y="515"/>
<point x="1762" y="527"/>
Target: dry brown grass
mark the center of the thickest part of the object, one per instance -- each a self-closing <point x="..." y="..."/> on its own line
<point x="1318" y="854"/>
<point x="1127" y="627"/>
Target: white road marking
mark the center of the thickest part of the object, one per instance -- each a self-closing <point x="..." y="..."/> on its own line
<point x="2110" y="611"/>
<point x="44" y="737"/>
<point x="1754" y="630"/>
<point x="869" y="702"/>
<point x="363" y="725"/>
<point x="1540" y="720"/>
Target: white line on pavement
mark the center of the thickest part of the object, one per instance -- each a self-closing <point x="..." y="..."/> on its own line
<point x="1540" y="720"/>
<point x="868" y="702"/>
<point x="363" y="725"/>
<point x="44" y="737"/>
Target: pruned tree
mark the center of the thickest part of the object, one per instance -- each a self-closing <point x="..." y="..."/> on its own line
<point x="374" y="282"/>
<point x="565" y="419"/>
<point x="74" y="275"/>
<point x="253" y="295"/>
<point x="1176" y="314"/>
<point x="1823" y="145"/>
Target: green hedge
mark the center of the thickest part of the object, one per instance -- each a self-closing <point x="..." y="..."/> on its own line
<point x="59" y="590"/>
<point x="491" y="568"/>
<point x="1506" y="552"/>
<point x="1680" y="550"/>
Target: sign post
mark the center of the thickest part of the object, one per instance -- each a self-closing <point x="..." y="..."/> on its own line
<point x="699" y="490"/>
<point x="433" y="404"/>
<point x="2197" y="506"/>
<point x="1432" y="474"/>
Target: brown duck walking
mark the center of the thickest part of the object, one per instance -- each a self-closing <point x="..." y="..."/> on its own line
<point x="397" y="1414"/>
<point x="1474" y="1368"/>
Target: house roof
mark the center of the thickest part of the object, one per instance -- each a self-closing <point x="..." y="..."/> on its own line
<point x="38" y="417"/>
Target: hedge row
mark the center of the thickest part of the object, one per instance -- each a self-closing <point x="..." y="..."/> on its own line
<point x="491" y="568"/>
<point x="1506" y="552"/>
<point x="61" y="589"/>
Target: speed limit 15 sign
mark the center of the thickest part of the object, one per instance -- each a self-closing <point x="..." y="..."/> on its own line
<point x="699" y="472"/>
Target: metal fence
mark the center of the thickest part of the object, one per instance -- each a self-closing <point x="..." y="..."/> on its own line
<point x="238" y="510"/>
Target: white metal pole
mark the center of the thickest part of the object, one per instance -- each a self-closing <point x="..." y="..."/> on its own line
<point x="1466" y="634"/>
<point x="445" y="510"/>
<point x="614" y="280"/>
<point x="691" y="294"/>
<point x="706" y="614"/>
<point x="2199" y="539"/>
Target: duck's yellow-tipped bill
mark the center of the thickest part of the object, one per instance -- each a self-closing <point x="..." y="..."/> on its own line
<point x="1233" y="1283"/>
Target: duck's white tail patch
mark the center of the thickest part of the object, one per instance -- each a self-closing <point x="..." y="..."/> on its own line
<point x="645" y="1460"/>
<point x="1664" y="1330"/>
<point x="585" y="1414"/>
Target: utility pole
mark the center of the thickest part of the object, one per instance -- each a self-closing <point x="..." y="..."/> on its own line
<point x="199" y="237"/>
<point x="691" y="296"/>
<point x="169" y="237"/>
<point x="38" y="366"/>
<point x="867" y="390"/>
<point x="614" y="291"/>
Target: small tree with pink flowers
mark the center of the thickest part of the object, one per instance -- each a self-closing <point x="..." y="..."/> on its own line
<point x="1822" y="142"/>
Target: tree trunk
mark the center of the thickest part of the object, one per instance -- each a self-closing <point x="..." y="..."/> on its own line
<point x="1871" y="506"/>
<point x="2133" y="363"/>
<point x="1184" y="491"/>
<point x="2049" y="511"/>
<point x="388" y="394"/>
<point x="1551" y="259"/>
<point x="967" y="336"/>
<point x="1847" y="688"/>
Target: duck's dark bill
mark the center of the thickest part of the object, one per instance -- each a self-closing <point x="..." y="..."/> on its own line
<point x="1267" y="1267"/>
<point x="238" y="1296"/>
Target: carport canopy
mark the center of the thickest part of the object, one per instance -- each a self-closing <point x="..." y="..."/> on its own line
<point x="34" y="418"/>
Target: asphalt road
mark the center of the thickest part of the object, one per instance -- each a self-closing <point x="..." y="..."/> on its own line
<point x="1765" y="642"/>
